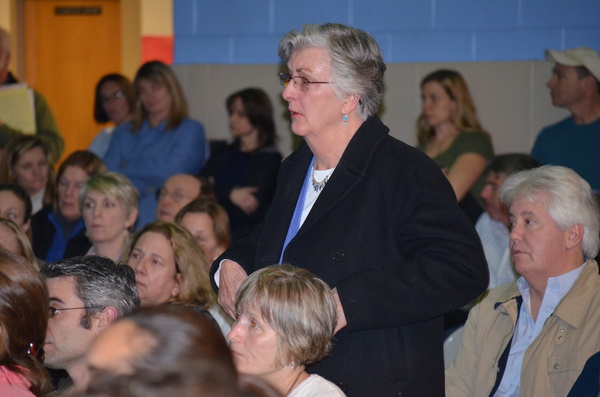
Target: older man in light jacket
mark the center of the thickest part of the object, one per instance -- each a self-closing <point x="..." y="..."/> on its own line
<point x="532" y="337"/>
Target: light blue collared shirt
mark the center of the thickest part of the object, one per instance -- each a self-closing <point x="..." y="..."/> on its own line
<point x="527" y="329"/>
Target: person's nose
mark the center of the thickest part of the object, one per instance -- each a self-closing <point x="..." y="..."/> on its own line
<point x="551" y="82"/>
<point x="289" y="92"/>
<point x="485" y="192"/>
<point x="515" y="231"/>
<point x="235" y="333"/>
<point x="97" y="211"/>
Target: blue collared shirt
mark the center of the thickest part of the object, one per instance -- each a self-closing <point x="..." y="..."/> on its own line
<point x="527" y="329"/>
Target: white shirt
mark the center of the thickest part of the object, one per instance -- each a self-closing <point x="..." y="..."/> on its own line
<point x="495" y="240"/>
<point x="527" y="329"/>
<point x="316" y="386"/>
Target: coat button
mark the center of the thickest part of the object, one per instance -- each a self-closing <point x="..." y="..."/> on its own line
<point x="338" y="256"/>
<point x="556" y="366"/>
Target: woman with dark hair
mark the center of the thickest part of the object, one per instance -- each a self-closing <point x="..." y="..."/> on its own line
<point x="15" y="205"/>
<point x="23" y="322"/>
<point x="449" y="131"/>
<point x="114" y="102"/>
<point x="244" y="172"/>
<point x="26" y="162"/>
<point x="161" y="140"/>
<point x="58" y="231"/>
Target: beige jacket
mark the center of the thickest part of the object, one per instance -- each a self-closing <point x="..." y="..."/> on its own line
<point x="554" y="359"/>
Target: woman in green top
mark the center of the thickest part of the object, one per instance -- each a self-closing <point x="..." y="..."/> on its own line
<point x="449" y="132"/>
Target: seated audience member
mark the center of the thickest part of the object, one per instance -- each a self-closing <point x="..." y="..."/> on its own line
<point x="179" y="190"/>
<point x="109" y="209"/>
<point x="532" y="337"/>
<point x="286" y="318"/>
<point x="114" y="102"/>
<point x="493" y="225"/>
<point x="15" y="205"/>
<point x="588" y="383"/>
<point x="58" y="231"/>
<point x="449" y="131"/>
<point x="86" y="295"/>
<point x="23" y="322"/>
<point x="159" y="351"/>
<point x="46" y="128"/>
<point x="170" y="267"/>
<point x="26" y="163"/>
<point x="209" y="224"/>
<point x="244" y="173"/>
<point x="14" y="240"/>
<point x="574" y="141"/>
<point x="160" y="142"/>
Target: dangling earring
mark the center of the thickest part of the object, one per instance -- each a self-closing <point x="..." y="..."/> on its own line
<point x="293" y="364"/>
<point x="345" y="119"/>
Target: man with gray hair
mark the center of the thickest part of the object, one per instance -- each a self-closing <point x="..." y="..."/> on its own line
<point x="46" y="128"/>
<point x="86" y="295"/>
<point x="532" y="337"/>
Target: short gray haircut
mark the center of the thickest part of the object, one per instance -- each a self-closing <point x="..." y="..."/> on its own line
<point x="99" y="283"/>
<point x="357" y="66"/>
<point x="570" y="200"/>
<point x="297" y="305"/>
<point x="113" y="185"/>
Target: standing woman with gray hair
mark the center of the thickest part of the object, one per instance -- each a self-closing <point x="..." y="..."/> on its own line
<point x="371" y="216"/>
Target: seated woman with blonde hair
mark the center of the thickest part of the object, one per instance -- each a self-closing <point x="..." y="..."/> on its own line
<point x="14" y="240"/>
<point x="109" y="206"/>
<point x="286" y="318"/>
<point x="449" y="131"/>
<point x="170" y="267"/>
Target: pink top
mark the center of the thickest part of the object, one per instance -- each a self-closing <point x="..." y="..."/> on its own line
<point x="13" y="385"/>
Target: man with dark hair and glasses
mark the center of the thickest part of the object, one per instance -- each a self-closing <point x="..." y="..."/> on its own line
<point x="86" y="295"/>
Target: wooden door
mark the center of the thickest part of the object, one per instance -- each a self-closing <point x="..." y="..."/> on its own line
<point x="69" y="45"/>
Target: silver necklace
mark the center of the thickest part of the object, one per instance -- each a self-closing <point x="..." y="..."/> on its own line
<point x="318" y="186"/>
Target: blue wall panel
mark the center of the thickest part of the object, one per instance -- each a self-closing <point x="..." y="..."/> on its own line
<point x="247" y="31"/>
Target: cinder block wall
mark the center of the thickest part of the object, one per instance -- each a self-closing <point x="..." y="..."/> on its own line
<point x="225" y="45"/>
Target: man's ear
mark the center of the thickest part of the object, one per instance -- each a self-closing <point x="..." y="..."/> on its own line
<point x="574" y="235"/>
<point x="106" y="317"/>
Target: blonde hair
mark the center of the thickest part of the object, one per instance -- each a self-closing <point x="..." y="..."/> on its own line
<point x="297" y="305"/>
<point x="189" y="262"/>
<point x="464" y="116"/>
<point x="25" y="250"/>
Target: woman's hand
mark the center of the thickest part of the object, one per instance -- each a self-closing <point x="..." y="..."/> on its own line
<point x="231" y="276"/>
<point x="244" y="198"/>
<point x="341" y="323"/>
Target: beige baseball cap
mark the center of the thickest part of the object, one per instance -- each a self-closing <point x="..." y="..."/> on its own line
<point x="579" y="56"/>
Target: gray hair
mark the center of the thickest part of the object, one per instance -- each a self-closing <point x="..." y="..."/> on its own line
<point x="570" y="200"/>
<point x="114" y="185"/>
<point x="297" y="305"/>
<point x="357" y="66"/>
<point x="99" y="283"/>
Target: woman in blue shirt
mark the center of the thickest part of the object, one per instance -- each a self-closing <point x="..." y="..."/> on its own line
<point x="161" y="141"/>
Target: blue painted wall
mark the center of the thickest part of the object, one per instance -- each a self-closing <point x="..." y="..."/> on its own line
<point x="248" y="31"/>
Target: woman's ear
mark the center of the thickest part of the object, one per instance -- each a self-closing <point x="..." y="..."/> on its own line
<point x="177" y="285"/>
<point x="131" y="218"/>
<point x="350" y="103"/>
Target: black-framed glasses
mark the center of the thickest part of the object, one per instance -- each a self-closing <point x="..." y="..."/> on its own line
<point x="53" y="311"/>
<point x="300" y="83"/>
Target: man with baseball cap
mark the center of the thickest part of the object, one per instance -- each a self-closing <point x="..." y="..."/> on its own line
<point x="574" y="141"/>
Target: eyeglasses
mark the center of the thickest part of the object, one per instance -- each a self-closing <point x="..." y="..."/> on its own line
<point x="36" y="351"/>
<point x="176" y="196"/>
<point x="53" y="311"/>
<point x="300" y="83"/>
<point x="112" y="97"/>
